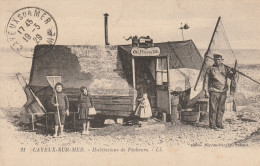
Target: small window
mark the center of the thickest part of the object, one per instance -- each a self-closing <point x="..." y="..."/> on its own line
<point x="161" y="71"/>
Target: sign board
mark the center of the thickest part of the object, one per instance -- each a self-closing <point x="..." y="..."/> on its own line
<point x="151" y="51"/>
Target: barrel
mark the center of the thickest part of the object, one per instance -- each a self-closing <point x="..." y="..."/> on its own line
<point x="189" y="116"/>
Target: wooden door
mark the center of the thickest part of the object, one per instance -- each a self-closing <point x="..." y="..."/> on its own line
<point x="162" y="82"/>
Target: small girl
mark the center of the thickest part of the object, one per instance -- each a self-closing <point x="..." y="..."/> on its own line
<point x="63" y="104"/>
<point x="144" y="109"/>
<point x="85" y="102"/>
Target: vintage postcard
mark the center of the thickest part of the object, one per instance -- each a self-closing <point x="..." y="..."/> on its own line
<point x="129" y="82"/>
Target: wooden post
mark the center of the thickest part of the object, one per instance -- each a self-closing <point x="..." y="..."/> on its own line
<point x="32" y="123"/>
<point x="134" y="86"/>
<point x="168" y="79"/>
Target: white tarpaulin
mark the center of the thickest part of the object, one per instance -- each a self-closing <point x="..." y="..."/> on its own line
<point x="182" y="79"/>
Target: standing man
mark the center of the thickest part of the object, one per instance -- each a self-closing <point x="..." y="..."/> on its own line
<point x="215" y="86"/>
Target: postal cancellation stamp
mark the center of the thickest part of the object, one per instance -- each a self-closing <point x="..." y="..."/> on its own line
<point x="28" y="27"/>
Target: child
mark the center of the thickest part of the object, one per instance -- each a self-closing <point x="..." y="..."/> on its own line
<point x="85" y="102"/>
<point x="63" y="104"/>
<point x="144" y="109"/>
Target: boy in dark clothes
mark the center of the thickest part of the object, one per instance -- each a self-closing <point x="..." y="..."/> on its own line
<point x="63" y="104"/>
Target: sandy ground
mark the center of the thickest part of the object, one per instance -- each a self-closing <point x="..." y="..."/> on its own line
<point x="238" y="132"/>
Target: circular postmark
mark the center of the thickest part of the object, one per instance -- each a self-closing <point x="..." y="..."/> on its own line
<point x="29" y="27"/>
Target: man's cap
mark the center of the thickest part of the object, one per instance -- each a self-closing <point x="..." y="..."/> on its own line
<point x="217" y="56"/>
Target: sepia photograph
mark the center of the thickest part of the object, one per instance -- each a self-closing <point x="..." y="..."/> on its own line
<point x="130" y="82"/>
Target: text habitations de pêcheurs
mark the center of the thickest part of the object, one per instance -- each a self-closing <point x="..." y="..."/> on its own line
<point x="129" y="149"/>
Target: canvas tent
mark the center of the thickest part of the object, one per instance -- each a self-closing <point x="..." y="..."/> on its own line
<point x="183" y="54"/>
<point x="184" y="62"/>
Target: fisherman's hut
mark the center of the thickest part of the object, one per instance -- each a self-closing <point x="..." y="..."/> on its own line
<point x="116" y="75"/>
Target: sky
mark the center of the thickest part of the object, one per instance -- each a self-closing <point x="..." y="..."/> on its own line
<point x="81" y="22"/>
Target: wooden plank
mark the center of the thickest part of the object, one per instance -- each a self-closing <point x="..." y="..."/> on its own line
<point x="114" y="107"/>
<point x="112" y="97"/>
<point x="107" y="103"/>
<point x="112" y="102"/>
<point x="107" y="99"/>
<point x="116" y="113"/>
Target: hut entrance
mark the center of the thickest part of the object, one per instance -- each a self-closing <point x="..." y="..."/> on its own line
<point x="151" y="77"/>
<point x="145" y="81"/>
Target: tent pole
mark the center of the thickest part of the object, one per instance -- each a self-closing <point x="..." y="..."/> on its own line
<point x="206" y="53"/>
<point x="134" y="86"/>
<point x="156" y="62"/>
<point x="168" y="80"/>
